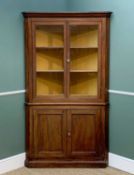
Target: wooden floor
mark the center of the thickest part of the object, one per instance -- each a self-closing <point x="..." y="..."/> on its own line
<point x="66" y="171"/>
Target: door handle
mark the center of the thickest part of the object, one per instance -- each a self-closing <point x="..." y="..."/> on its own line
<point x="69" y="134"/>
<point x="68" y="60"/>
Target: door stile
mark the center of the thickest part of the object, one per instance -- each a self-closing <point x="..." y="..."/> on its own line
<point x="67" y="59"/>
<point x="65" y="63"/>
<point x="68" y="133"/>
<point x="65" y="132"/>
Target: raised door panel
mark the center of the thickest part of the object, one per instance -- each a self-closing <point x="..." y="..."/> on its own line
<point x="48" y="133"/>
<point x="86" y="134"/>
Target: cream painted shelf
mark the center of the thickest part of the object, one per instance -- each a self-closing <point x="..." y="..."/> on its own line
<point x="49" y="59"/>
<point x="84" y="71"/>
<point x="50" y="71"/>
<point x="83" y="83"/>
<point x="49" y="36"/>
<point x="49" y="83"/>
<point x="84" y="59"/>
<point x="83" y="36"/>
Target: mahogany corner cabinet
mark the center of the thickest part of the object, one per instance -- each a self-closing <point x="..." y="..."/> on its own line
<point x="66" y="89"/>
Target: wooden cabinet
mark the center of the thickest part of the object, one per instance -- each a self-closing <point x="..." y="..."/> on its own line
<point x="66" y="89"/>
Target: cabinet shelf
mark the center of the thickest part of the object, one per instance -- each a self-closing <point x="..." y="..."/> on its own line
<point x="84" y="71"/>
<point x="49" y="47"/>
<point x="79" y="47"/>
<point x="51" y="71"/>
<point x="84" y="59"/>
<point x="49" y="59"/>
<point x="49" y="36"/>
<point x="83" y="83"/>
<point x="84" y="36"/>
<point x="49" y="83"/>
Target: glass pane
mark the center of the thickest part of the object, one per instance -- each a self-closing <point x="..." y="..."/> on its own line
<point x="83" y="83"/>
<point x="83" y="60"/>
<point x="49" y="36"/>
<point x="49" y="83"/>
<point x="49" y="60"/>
<point x="84" y="36"/>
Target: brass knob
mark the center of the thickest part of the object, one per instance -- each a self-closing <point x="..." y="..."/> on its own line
<point x="68" y="60"/>
<point x="69" y="134"/>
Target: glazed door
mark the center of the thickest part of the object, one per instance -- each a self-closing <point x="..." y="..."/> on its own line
<point x="84" y="59"/>
<point x="49" y="51"/>
<point x="67" y="61"/>
<point x="86" y="134"/>
<point x="47" y="133"/>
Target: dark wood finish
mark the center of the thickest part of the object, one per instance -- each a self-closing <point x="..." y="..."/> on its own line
<point x="48" y="133"/>
<point x="66" y="137"/>
<point x="65" y="163"/>
<point x="66" y="130"/>
<point x="68" y="15"/>
<point x="66" y="103"/>
<point x="85" y="130"/>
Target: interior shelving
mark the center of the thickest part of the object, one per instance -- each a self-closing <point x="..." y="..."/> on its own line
<point x="84" y="59"/>
<point x="49" y="59"/>
<point x="88" y="71"/>
<point x="83" y="36"/>
<point x="50" y="71"/>
<point x="49" y="36"/>
<point x="49" y="83"/>
<point x="83" y="83"/>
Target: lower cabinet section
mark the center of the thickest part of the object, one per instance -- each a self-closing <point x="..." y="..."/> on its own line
<point x="66" y="136"/>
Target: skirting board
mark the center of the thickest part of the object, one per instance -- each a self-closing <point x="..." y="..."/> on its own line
<point x="12" y="163"/>
<point x="121" y="163"/>
<point x="115" y="161"/>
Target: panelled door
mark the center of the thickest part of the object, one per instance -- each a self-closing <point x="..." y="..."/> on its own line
<point x="86" y="133"/>
<point x="47" y="133"/>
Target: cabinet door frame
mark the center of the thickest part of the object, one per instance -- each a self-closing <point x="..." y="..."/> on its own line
<point x="32" y="136"/>
<point x="31" y="59"/>
<point x="100" y="59"/>
<point x="100" y="124"/>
